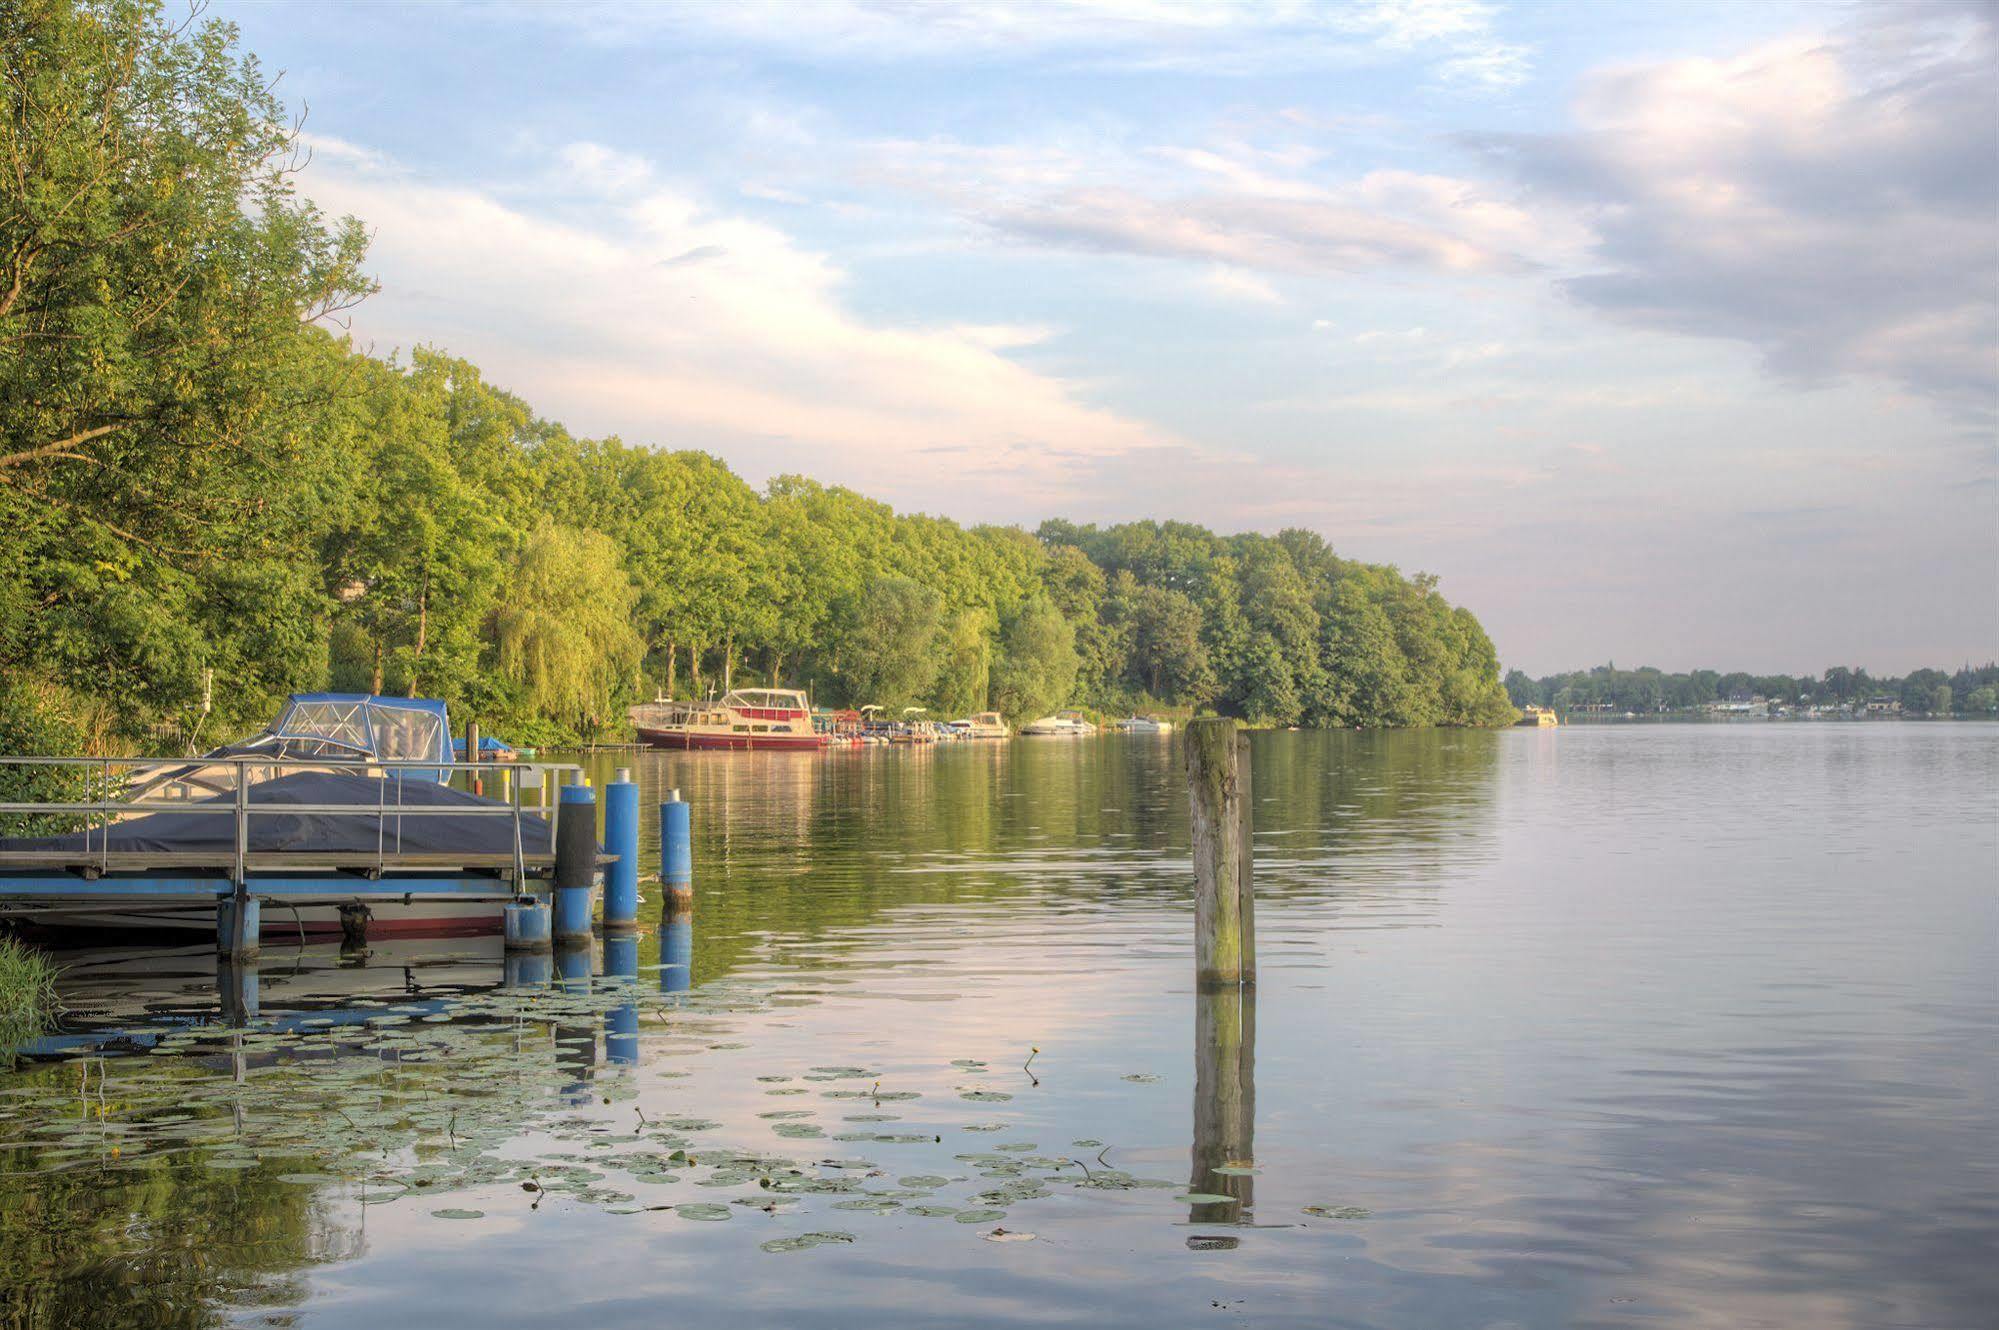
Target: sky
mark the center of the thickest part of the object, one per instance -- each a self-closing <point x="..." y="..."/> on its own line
<point x="1664" y="334"/>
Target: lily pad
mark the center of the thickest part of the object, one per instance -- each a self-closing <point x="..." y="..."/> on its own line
<point x="457" y="1214"/>
<point x="701" y="1210"/>
<point x="979" y="1216"/>
<point x="805" y="1240"/>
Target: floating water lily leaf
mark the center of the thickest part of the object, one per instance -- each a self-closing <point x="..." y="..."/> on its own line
<point x="1141" y="1078"/>
<point x="701" y="1210"/>
<point x="985" y="1096"/>
<point x="979" y="1216"/>
<point x="1008" y="1235"/>
<point x="1337" y="1212"/>
<point x="457" y="1214"/>
<point x="932" y="1211"/>
<point x="1086" y="1144"/>
<point x="805" y="1240"/>
<point x="923" y="1181"/>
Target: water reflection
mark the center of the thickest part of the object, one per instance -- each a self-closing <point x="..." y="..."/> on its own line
<point x="1693" y="1029"/>
<point x="1224" y="1109"/>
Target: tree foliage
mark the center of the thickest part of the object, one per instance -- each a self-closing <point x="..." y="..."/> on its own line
<point x="199" y="477"/>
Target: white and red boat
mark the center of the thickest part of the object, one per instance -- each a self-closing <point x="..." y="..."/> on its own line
<point x="755" y="719"/>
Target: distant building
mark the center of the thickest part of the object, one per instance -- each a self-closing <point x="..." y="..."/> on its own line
<point x="1884" y="705"/>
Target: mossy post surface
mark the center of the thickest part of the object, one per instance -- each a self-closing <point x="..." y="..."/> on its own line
<point x="1245" y="857"/>
<point x="1214" y="796"/>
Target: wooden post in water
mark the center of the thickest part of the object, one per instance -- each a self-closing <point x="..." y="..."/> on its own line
<point x="477" y="784"/>
<point x="1217" y="780"/>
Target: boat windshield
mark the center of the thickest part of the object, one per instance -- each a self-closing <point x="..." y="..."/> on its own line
<point x="370" y="726"/>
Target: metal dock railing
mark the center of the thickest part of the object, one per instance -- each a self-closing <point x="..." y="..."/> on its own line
<point x="91" y="796"/>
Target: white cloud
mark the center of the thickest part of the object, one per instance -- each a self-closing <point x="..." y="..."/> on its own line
<point x="1829" y="199"/>
<point x="649" y="314"/>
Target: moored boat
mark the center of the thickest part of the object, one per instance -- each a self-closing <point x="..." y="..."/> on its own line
<point x="746" y="719"/>
<point x="325" y="753"/>
<point x="1062" y="724"/>
<point x="985" y="725"/>
<point x="1146" y="725"/>
<point x="1533" y="717"/>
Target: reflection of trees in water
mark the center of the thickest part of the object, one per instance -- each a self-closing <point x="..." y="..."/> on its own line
<point x="156" y="1243"/>
<point x="804" y="846"/>
<point x="1224" y="1107"/>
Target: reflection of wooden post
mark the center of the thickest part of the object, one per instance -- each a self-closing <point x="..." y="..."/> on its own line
<point x="1224" y="1103"/>
<point x="1217" y="783"/>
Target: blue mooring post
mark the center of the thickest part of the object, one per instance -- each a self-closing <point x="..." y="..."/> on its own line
<point x="621" y="1023"/>
<point x="528" y="969"/>
<point x="527" y="925"/>
<point x="676" y="952"/>
<point x="237" y="943"/>
<point x="621" y="837"/>
<point x="676" y="852"/>
<point x="575" y="863"/>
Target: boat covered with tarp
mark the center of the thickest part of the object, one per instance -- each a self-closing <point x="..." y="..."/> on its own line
<point x="349" y="789"/>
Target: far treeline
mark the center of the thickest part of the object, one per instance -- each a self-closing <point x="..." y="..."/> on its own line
<point x="1968" y="692"/>
<point x="202" y="480"/>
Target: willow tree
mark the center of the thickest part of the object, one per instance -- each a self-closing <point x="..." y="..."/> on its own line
<point x="564" y="628"/>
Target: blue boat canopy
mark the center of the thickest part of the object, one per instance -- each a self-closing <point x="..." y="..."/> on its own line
<point x="390" y="729"/>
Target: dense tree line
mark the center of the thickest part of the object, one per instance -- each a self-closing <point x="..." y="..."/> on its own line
<point x="203" y="482"/>
<point x="1968" y="692"/>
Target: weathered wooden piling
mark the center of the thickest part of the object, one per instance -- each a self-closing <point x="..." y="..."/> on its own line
<point x="1217" y="793"/>
<point x="472" y="755"/>
<point x="676" y="852"/>
<point x="575" y="863"/>
<point x="621" y="837"/>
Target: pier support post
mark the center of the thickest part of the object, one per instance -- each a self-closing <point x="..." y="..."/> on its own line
<point x="1217" y="762"/>
<point x="237" y="987"/>
<point x="621" y="1023"/>
<point x="621" y="837"/>
<point x="676" y="950"/>
<point x="676" y="852"/>
<point x="238" y="920"/>
<point x="526" y="925"/>
<point x="575" y="863"/>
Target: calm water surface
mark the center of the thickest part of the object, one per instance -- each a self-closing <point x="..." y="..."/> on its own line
<point x="1661" y="1025"/>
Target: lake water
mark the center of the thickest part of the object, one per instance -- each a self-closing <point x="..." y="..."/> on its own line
<point x="1678" y="1025"/>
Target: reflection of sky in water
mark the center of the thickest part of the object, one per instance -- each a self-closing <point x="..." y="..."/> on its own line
<point x="1637" y="1025"/>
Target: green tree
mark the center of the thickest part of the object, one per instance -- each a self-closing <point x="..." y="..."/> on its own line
<point x="1035" y="668"/>
<point x="890" y="637"/>
<point x="564" y="630"/>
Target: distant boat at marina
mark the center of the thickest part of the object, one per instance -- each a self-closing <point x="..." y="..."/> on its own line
<point x="1533" y="717"/>
<point x="985" y="725"/>
<point x="1062" y="723"/>
<point x="755" y="719"/>
<point x="1146" y="725"/>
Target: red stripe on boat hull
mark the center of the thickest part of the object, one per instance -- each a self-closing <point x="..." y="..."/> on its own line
<point x="695" y="740"/>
